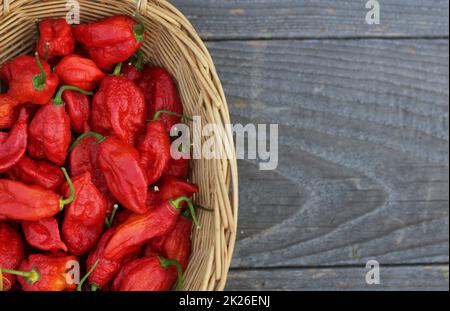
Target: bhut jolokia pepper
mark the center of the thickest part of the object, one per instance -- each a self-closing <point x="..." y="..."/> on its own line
<point x="11" y="254"/>
<point x="55" y="38"/>
<point x="161" y="94"/>
<point x="50" y="130"/>
<point x="30" y="203"/>
<point x="39" y="173"/>
<point x="170" y="188"/>
<point x="78" y="108"/>
<point x="132" y="70"/>
<point x="175" y="245"/>
<point x="118" y="109"/>
<point x="30" y="79"/>
<point x="44" y="234"/>
<point x="124" y="176"/>
<point x="9" y="111"/>
<point x="79" y="71"/>
<point x="149" y="274"/>
<point x="84" y="218"/>
<point x="111" y="40"/>
<point x="45" y="272"/>
<point x="14" y="144"/>
<point x="138" y="229"/>
<point x="178" y="167"/>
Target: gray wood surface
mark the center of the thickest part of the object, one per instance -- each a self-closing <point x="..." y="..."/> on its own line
<point x="269" y="19"/>
<point x="364" y="138"/>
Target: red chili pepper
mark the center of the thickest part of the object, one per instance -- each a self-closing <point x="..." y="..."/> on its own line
<point x="84" y="158"/>
<point x="14" y="145"/>
<point x="111" y="40"/>
<point x="55" y="38"/>
<point x="170" y="188"/>
<point x="177" y="168"/>
<point x="30" y="79"/>
<point x="9" y="111"/>
<point x="118" y="109"/>
<point x="132" y="70"/>
<point x="44" y="234"/>
<point x="39" y="173"/>
<point x="79" y="71"/>
<point x="124" y="176"/>
<point x="79" y="110"/>
<point x="148" y="274"/>
<point x="11" y="254"/>
<point x="176" y="244"/>
<point x="50" y="130"/>
<point x="138" y="229"/>
<point x="161" y="94"/>
<point x="30" y="203"/>
<point x="45" y="272"/>
<point x="84" y="218"/>
<point x="103" y="269"/>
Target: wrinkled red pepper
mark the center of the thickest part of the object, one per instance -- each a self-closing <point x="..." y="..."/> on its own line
<point x="124" y="176"/>
<point x="118" y="109"/>
<point x="79" y="71"/>
<point x="11" y="254"/>
<point x="84" y="218"/>
<point x="30" y="203"/>
<point x="170" y="188"/>
<point x="132" y="70"/>
<point x="50" y="130"/>
<point x="55" y="38"/>
<point x="30" y="79"/>
<point x="78" y="108"/>
<point x="177" y="168"/>
<point x="138" y="229"/>
<point x="39" y="173"/>
<point x="45" y="272"/>
<point x="161" y="94"/>
<point x="148" y="274"/>
<point x="111" y="40"/>
<point x="9" y="111"/>
<point x="44" y="234"/>
<point x="14" y="144"/>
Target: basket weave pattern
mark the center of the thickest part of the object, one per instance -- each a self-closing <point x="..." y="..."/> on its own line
<point x="173" y="44"/>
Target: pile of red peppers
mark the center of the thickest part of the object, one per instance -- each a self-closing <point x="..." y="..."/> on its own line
<point x="86" y="173"/>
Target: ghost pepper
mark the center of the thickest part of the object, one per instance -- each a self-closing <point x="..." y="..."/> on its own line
<point x="50" y="130"/>
<point x="111" y="40"/>
<point x="124" y="176"/>
<point x="9" y="111"/>
<point x="30" y="79"/>
<point x="161" y="94"/>
<point x="39" y="173"/>
<point x="14" y="144"/>
<point x="118" y="109"/>
<point x="11" y="254"/>
<point x="132" y="70"/>
<point x="45" y="272"/>
<point x="55" y="38"/>
<point x="148" y="274"/>
<point x="170" y="188"/>
<point x="30" y="203"/>
<point x="78" y="108"/>
<point x="44" y="234"/>
<point x="79" y="71"/>
<point x="84" y="218"/>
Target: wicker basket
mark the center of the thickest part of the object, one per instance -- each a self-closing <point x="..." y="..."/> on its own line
<point x="173" y="44"/>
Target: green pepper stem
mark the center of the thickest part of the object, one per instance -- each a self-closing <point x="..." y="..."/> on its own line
<point x="40" y="79"/>
<point x="172" y="113"/>
<point x="80" y="286"/>
<point x="63" y="202"/>
<point x="99" y="138"/>
<point x="139" y="61"/>
<point x="166" y="263"/>
<point x="139" y="28"/>
<point x="94" y="287"/>
<point x="57" y="100"/>
<point x="32" y="276"/>
<point x="177" y="205"/>
<point x="109" y="220"/>
<point x="117" y="69"/>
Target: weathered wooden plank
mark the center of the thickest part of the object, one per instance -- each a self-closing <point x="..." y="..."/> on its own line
<point x="264" y="19"/>
<point x="364" y="137"/>
<point x="331" y="279"/>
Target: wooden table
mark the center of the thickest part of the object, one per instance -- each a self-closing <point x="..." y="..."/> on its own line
<point x="364" y="139"/>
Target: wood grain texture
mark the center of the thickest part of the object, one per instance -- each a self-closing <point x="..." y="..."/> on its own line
<point x="391" y="278"/>
<point x="269" y="19"/>
<point x="363" y="170"/>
